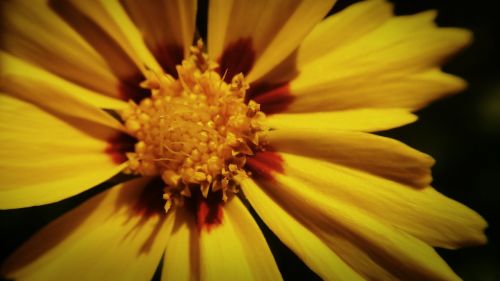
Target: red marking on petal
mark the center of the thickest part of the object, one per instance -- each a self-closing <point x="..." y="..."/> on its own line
<point x="129" y="88"/>
<point x="150" y="200"/>
<point x="145" y="205"/>
<point x="208" y="215"/>
<point x="119" y="145"/>
<point x="273" y="98"/>
<point x="169" y="56"/>
<point x="264" y="163"/>
<point x="238" y="57"/>
<point x="208" y="211"/>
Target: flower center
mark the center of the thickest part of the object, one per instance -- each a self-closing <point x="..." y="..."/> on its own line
<point x="194" y="131"/>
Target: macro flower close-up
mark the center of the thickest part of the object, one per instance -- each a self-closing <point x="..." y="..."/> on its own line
<point x="271" y="118"/>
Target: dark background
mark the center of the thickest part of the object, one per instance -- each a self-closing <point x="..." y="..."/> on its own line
<point x="461" y="132"/>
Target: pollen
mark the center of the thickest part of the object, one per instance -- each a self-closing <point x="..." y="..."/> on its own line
<point x="195" y="132"/>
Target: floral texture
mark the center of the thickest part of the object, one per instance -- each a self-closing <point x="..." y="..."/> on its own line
<point x="275" y="112"/>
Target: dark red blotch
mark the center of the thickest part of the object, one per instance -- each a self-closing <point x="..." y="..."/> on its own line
<point x="169" y="56"/>
<point x="150" y="200"/>
<point x="129" y="88"/>
<point x="264" y="163"/>
<point x="238" y="57"/>
<point x="207" y="211"/>
<point x="118" y="146"/>
<point x="273" y="98"/>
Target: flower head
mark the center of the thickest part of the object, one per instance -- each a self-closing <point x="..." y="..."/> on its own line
<point x="194" y="131"/>
<point x="275" y="113"/>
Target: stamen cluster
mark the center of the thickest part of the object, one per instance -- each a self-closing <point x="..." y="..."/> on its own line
<point x="194" y="131"/>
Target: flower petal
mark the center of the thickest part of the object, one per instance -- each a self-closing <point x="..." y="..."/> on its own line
<point x="425" y="213"/>
<point x="387" y="62"/>
<point x="314" y="252"/>
<point x="132" y="34"/>
<point x="367" y="152"/>
<point x="181" y="258"/>
<point x="167" y="27"/>
<point x="45" y="158"/>
<point x="96" y="26"/>
<point x="40" y="87"/>
<point x="32" y="31"/>
<point x="412" y="91"/>
<point x="242" y="33"/>
<point x="349" y="25"/>
<point x="236" y="249"/>
<point x="366" y="120"/>
<point x="105" y="238"/>
<point x="376" y="250"/>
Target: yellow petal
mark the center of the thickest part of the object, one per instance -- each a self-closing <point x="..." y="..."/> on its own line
<point x="411" y="91"/>
<point x="32" y="31"/>
<point x="133" y="36"/>
<point x="390" y="63"/>
<point x="376" y="250"/>
<point x="314" y="252"/>
<point x="167" y="27"/>
<point x="367" y="152"/>
<point x="109" y="237"/>
<point x="349" y="24"/>
<point x="236" y="249"/>
<point x="265" y="32"/>
<point x="425" y="213"/>
<point x="181" y="258"/>
<point x="95" y="25"/>
<point x="366" y="120"/>
<point x="38" y="86"/>
<point x="45" y="158"/>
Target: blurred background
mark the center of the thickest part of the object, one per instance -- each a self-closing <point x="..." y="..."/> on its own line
<point x="461" y="132"/>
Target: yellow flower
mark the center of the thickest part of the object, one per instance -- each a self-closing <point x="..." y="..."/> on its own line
<point x="275" y="113"/>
